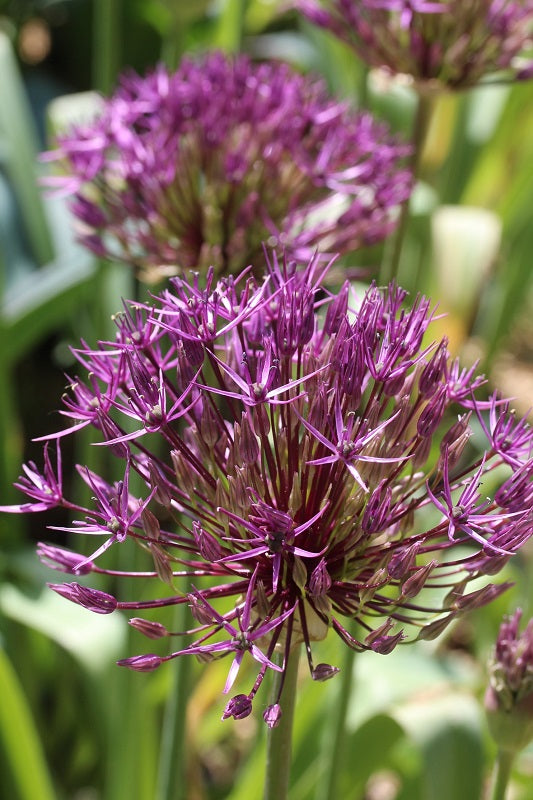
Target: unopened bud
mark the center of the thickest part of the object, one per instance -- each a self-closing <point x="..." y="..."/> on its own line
<point x="63" y="560"/>
<point x="153" y="630"/>
<point x="238" y="707"/>
<point x="429" y="419"/>
<point x="323" y="672"/>
<point x="403" y="561"/>
<point x="416" y="582"/>
<point x="380" y="642"/>
<point x="320" y="580"/>
<point x="435" y="628"/>
<point x="272" y="715"/>
<point x="509" y="697"/>
<point x="157" y="482"/>
<point x="93" y="599"/>
<point x="146" y="663"/>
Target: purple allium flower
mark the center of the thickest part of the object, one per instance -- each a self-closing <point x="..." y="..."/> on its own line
<point x="509" y="696"/>
<point x="306" y="459"/>
<point x="449" y="44"/>
<point x="198" y="168"/>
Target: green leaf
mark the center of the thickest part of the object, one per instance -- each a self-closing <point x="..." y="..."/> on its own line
<point x="449" y="733"/>
<point x="368" y="749"/>
<point x="21" y="740"/>
<point x="94" y="640"/>
<point x="18" y="137"/>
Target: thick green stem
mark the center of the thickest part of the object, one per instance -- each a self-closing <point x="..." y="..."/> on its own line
<point x="107" y="47"/>
<point x="231" y="26"/>
<point x="422" y="118"/>
<point x="502" y="773"/>
<point x="172" y="777"/>
<point x="173" y="44"/>
<point x="279" y="750"/>
<point x="333" y="749"/>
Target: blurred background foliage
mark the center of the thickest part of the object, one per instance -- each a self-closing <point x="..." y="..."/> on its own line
<point x="72" y="725"/>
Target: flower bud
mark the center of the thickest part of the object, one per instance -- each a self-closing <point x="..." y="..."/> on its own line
<point x="238" y="707"/>
<point x="509" y="696"/>
<point x="63" y="560"/>
<point x="324" y="672"/>
<point x="153" y="630"/>
<point x="145" y="663"/>
<point x="272" y="715"/>
<point x="415" y="583"/>
<point x="320" y="580"/>
<point x="93" y="599"/>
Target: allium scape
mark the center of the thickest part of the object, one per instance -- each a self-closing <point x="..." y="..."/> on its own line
<point x="307" y="466"/>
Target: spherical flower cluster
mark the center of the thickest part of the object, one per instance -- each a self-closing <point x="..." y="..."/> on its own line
<point x="308" y="466"/>
<point x="198" y="168"/>
<point x="449" y="44"/>
<point x="509" y="697"/>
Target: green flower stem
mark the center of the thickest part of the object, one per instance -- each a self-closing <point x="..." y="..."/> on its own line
<point x="332" y="749"/>
<point x="231" y="26"/>
<point x="422" y="119"/>
<point x="172" y="777"/>
<point x="128" y="767"/>
<point x="279" y="741"/>
<point x="173" y="44"/>
<point x="107" y="49"/>
<point x="502" y="773"/>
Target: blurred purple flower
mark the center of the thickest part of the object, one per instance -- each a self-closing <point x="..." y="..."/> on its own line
<point x="310" y="456"/>
<point x="198" y="168"/>
<point x="449" y="44"/>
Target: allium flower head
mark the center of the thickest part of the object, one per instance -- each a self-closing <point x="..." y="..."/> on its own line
<point x="449" y="44"/>
<point x="509" y="697"/>
<point x="198" y="168"/>
<point x="307" y="464"/>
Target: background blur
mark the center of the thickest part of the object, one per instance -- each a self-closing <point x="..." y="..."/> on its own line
<point x="72" y="725"/>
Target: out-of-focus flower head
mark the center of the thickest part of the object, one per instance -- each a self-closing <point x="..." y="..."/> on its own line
<point x="199" y="167"/>
<point x="306" y="463"/>
<point x="442" y="44"/>
<point x="509" y="696"/>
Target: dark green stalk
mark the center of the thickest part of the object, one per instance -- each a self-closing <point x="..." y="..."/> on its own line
<point x="422" y="119"/>
<point x="279" y="741"/>
<point x="172" y="777"/>
<point x="502" y="773"/>
<point x="129" y="721"/>
<point x="333" y="747"/>
<point x="107" y="44"/>
<point x="173" y="44"/>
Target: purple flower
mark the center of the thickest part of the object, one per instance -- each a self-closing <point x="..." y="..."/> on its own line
<point x="308" y="459"/>
<point x="449" y="44"/>
<point x="201" y="167"/>
<point x="509" y="697"/>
